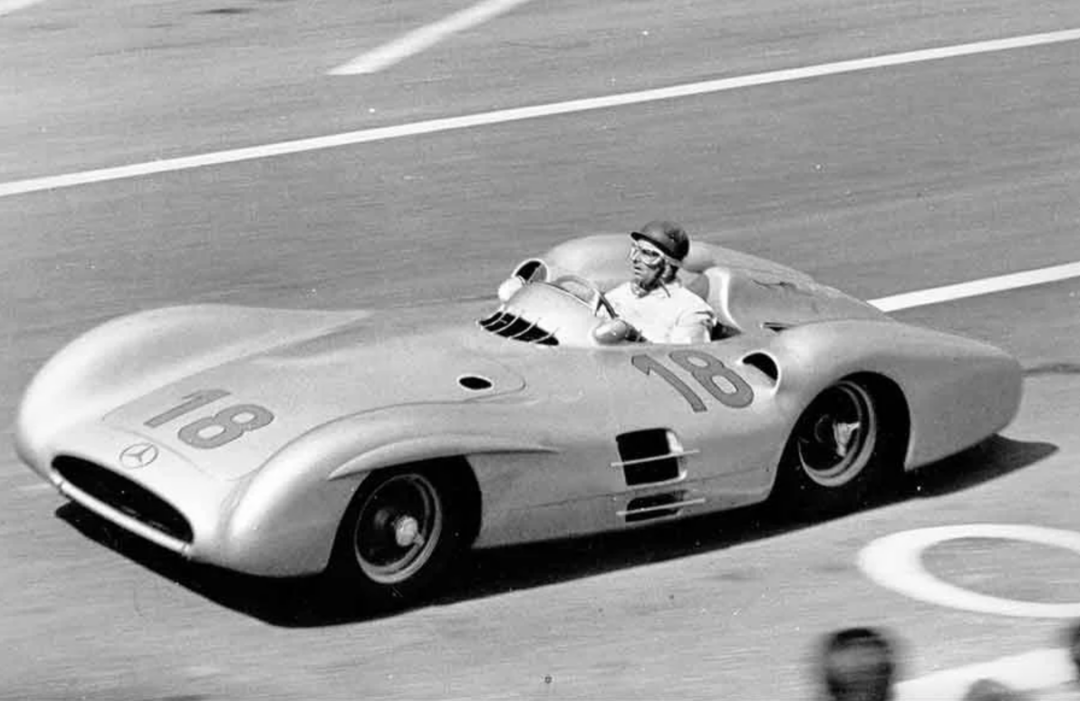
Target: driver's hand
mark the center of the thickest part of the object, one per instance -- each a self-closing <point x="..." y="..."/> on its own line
<point x="616" y="331"/>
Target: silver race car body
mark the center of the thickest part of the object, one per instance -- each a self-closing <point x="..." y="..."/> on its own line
<point x="262" y="440"/>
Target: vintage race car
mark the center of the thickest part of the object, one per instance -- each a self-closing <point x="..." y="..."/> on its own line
<point x="282" y="443"/>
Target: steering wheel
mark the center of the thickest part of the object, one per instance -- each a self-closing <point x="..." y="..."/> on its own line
<point x="587" y="291"/>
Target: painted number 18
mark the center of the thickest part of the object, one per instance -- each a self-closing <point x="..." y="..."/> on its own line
<point x="214" y="431"/>
<point x="706" y="370"/>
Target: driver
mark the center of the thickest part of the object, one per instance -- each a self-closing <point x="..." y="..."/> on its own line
<point x="654" y="302"/>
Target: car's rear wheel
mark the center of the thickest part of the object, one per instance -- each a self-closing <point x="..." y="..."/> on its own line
<point x="400" y="533"/>
<point x="839" y="452"/>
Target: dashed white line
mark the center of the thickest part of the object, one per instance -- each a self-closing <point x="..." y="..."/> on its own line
<point x="947" y="293"/>
<point x="517" y="114"/>
<point x="424" y="38"/>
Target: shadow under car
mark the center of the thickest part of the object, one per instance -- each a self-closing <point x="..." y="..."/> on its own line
<point x="318" y="601"/>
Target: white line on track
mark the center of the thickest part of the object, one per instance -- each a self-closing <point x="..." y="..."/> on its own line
<point x="36" y="487"/>
<point x="9" y="6"/>
<point x="424" y="38"/>
<point x="986" y="286"/>
<point x="1030" y="671"/>
<point x="521" y="113"/>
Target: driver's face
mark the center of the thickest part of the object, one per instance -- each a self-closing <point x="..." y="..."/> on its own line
<point x="646" y="263"/>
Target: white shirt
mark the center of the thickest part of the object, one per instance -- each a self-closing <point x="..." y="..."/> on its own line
<point x="668" y="314"/>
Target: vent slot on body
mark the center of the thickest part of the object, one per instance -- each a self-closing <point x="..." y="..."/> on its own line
<point x="124" y="495"/>
<point x="655" y="506"/>
<point x="765" y="363"/>
<point x="512" y="326"/>
<point x="476" y="383"/>
<point x="648" y="456"/>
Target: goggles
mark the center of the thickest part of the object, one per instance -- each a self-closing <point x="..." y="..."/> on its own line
<point x="648" y="256"/>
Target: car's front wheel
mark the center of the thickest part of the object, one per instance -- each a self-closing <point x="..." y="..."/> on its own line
<point x="839" y="452"/>
<point x="400" y="533"/>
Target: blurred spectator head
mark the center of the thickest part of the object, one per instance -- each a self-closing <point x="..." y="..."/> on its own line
<point x="1072" y="643"/>
<point x="858" y="664"/>
<point x="991" y="690"/>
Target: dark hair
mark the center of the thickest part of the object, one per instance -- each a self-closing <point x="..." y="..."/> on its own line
<point x="858" y="663"/>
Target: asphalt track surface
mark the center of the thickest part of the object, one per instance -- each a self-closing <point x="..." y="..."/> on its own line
<point x="878" y="182"/>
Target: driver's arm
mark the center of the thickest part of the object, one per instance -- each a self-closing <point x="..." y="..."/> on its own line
<point x="693" y="327"/>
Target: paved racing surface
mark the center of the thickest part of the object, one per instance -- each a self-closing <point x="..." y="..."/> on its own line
<point x="882" y="181"/>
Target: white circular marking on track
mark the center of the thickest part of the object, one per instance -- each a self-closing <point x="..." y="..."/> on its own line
<point x="895" y="562"/>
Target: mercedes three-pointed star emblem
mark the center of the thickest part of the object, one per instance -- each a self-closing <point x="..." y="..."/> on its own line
<point x="138" y="455"/>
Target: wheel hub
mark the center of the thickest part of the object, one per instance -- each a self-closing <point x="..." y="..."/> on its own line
<point x="398" y="528"/>
<point x="837" y="442"/>
<point x="843" y="433"/>
<point x="407" y="532"/>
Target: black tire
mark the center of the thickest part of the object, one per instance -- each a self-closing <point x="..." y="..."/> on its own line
<point x="841" y="455"/>
<point x="400" y="534"/>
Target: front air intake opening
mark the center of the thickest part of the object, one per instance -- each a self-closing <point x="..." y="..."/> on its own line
<point x="124" y="495"/>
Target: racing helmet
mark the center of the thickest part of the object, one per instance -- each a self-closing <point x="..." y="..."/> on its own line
<point x="668" y="236"/>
